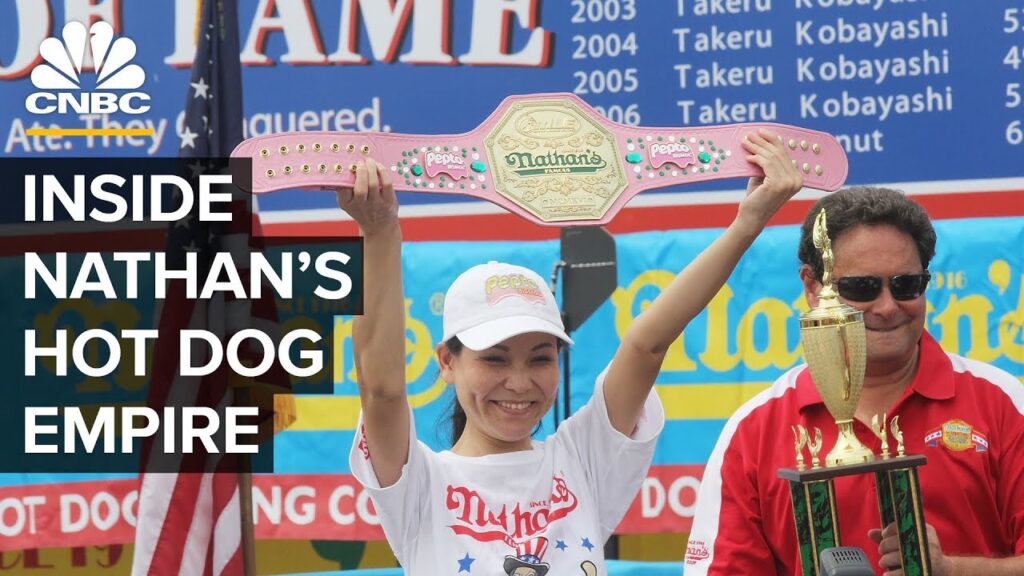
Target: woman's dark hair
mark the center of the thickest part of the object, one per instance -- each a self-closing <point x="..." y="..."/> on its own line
<point x="872" y="206"/>
<point x="457" y="413"/>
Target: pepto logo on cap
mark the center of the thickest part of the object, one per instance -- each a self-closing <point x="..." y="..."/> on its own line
<point x="501" y="286"/>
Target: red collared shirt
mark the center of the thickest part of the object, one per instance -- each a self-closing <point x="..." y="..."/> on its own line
<point x="966" y="416"/>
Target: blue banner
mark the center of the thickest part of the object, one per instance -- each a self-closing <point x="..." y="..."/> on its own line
<point x="915" y="91"/>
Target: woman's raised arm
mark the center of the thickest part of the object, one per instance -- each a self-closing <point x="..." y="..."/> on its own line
<point x="638" y="359"/>
<point x="378" y="336"/>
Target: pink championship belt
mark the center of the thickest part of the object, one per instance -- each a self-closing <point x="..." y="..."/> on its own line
<point x="550" y="158"/>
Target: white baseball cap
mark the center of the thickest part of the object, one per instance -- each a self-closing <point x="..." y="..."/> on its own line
<point x="493" y="302"/>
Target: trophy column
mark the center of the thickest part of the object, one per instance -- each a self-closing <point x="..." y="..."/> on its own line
<point x="817" y="522"/>
<point x="899" y="500"/>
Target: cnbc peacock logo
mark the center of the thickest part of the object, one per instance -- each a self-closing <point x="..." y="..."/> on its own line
<point x="59" y="77"/>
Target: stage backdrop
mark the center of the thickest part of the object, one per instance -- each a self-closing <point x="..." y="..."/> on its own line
<point x="925" y="94"/>
<point x="731" y="351"/>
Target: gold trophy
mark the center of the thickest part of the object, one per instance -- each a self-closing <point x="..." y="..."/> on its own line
<point x="835" y="346"/>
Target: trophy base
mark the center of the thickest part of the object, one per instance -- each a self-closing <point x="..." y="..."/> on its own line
<point x="848" y="449"/>
<point x="899" y="500"/>
<point x="849" y="456"/>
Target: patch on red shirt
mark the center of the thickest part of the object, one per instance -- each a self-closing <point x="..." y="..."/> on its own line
<point x="958" y="436"/>
<point x="696" y="552"/>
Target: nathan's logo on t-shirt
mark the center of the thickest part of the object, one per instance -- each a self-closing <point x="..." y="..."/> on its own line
<point x="696" y="552"/>
<point x="475" y="518"/>
<point x="363" y="446"/>
<point x="501" y="286"/>
<point x="958" y="436"/>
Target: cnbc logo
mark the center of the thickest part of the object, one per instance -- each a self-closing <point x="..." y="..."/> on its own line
<point x="58" y="77"/>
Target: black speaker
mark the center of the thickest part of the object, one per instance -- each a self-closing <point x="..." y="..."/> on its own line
<point x="588" y="254"/>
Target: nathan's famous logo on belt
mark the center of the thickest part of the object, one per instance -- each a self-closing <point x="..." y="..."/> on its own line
<point x="555" y="161"/>
<point x="529" y="164"/>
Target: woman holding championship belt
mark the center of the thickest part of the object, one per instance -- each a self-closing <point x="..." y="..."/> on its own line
<point x="498" y="501"/>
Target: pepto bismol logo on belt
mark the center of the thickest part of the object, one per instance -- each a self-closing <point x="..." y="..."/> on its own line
<point x="59" y="77"/>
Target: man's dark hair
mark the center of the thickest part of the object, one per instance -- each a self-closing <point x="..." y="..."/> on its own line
<point x="872" y="206"/>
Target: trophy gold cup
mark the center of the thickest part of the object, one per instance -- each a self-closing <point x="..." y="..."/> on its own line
<point x="835" y="347"/>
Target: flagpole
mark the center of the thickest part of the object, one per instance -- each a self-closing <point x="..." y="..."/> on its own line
<point x="245" y="504"/>
<point x="212" y="128"/>
<point x="226" y="24"/>
<point x="242" y="398"/>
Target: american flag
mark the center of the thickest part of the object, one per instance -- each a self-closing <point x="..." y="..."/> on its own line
<point x="189" y="513"/>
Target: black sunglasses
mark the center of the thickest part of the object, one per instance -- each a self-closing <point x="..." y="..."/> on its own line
<point x="867" y="288"/>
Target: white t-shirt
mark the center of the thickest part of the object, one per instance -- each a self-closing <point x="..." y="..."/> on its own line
<point x="548" y="510"/>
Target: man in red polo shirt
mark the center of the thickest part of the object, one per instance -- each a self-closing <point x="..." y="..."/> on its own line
<point x="966" y="416"/>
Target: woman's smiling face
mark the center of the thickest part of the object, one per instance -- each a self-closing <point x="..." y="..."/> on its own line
<point x="504" y="389"/>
